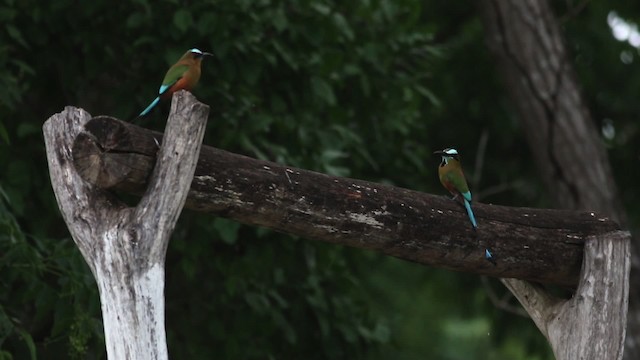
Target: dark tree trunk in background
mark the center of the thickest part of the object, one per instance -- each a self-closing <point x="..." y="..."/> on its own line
<point x="526" y="41"/>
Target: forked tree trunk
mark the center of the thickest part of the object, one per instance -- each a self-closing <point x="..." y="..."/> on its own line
<point x="125" y="247"/>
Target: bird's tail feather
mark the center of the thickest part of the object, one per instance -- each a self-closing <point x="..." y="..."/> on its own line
<point x="467" y="205"/>
<point x="489" y="256"/>
<point x="151" y="106"/>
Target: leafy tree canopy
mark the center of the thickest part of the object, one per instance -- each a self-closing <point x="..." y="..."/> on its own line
<point x="366" y="89"/>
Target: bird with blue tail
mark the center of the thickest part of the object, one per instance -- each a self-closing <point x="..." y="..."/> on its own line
<point x="183" y="75"/>
<point x="452" y="178"/>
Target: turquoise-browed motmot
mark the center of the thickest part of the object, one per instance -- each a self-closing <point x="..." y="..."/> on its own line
<point x="452" y="178"/>
<point x="183" y="75"/>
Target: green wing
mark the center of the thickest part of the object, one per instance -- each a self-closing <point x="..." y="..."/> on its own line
<point x="173" y="75"/>
<point x="456" y="177"/>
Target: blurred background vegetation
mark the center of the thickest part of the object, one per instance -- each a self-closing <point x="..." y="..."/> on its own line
<point x="365" y="89"/>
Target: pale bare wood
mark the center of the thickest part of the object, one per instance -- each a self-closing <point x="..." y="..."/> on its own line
<point x="125" y="247"/>
<point x="590" y="325"/>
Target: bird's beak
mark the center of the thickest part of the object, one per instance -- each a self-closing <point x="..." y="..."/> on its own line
<point x="439" y="152"/>
<point x="207" y="54"/>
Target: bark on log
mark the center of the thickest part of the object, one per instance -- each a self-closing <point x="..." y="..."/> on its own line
<point x="539" y="245"/>
<point x="125" y="247"/>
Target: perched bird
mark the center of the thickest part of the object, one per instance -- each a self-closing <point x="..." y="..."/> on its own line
<point x="452" y="178"/>
<point x="183" y="75"/>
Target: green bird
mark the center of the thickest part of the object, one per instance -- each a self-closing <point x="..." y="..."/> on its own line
<point x="183" y="75"/>
<point x="452" y="178"/>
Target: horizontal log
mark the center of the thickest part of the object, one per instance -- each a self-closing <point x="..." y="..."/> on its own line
<point x="540" y="245"/>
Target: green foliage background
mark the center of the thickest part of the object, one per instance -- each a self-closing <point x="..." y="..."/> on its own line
<point x="366" y="89"/>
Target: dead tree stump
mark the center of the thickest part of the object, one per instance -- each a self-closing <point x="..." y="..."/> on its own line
<point x="125" y="247"/>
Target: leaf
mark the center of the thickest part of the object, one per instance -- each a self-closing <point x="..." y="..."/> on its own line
<point x="29" y="341"/>
<point x="6" y="326"/>
<point x="227" y="229"/>
<point x="143" y="40"/>
<point x="321" y="8"/>
<point x="135" y="20"/>
<point x="279" y="20"/>
<point x="330" y="155"/>
<point x="208" y="23"/>
<point x="285" y="326"/>
<point x="341" y="171"/>
<point x="16" y="35"/>
<point x="380" y="333"/>
<point x="343" y="26"/>
<point x="7" y="14"/>
<point x="183" y="20"/>
<point x="428" y="94"/>
<point x="247" y="144"/>
<point x="257" y="301"/>
<point x="323" y="90"/>
<point x="23" y="66"/>
<point x="26" y="129"/>
<point x="4" y="197"/>
<point x="286" y="54"/>
<point x="4" y="134"/>
<point x="280" y="301"/>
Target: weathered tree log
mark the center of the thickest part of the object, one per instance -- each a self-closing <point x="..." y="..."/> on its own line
<point x="125" y="247"/>
<point x="538" y="245"/>
<point x="530" y="53"/>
